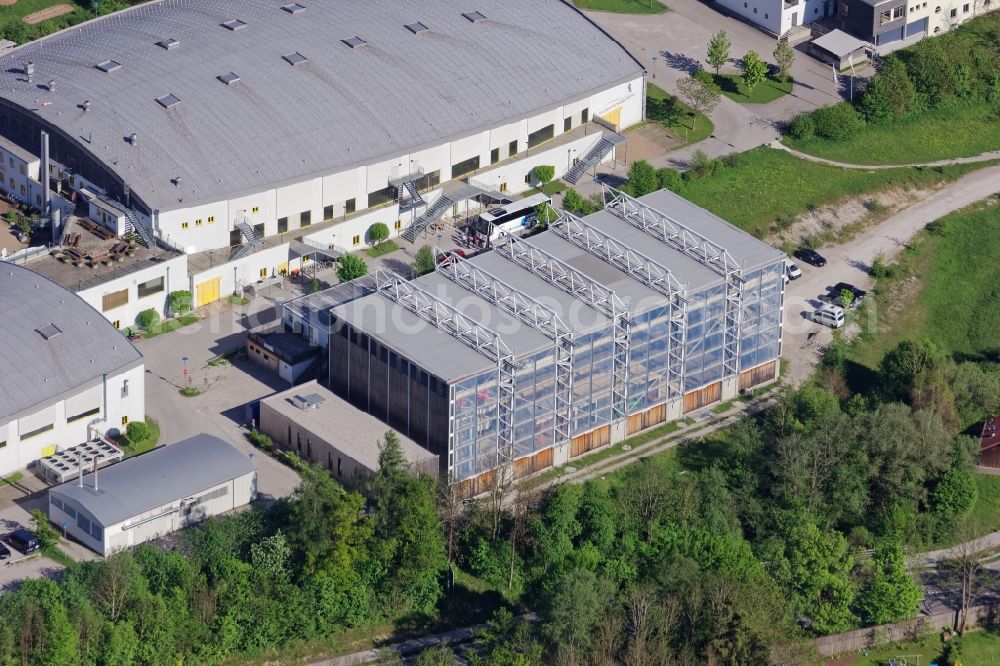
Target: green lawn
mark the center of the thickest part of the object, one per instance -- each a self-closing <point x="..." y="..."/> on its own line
<point x="238" y="300"/>
<point x="12" y="479"/>
<point x="979" y="648"/>
<point x="22" y="8"/>
<point x="675" y="116"/>
<point x="961" y="131"/>
<point x="956" y="304"/>
<point x="135" y="448"/>
<point x="766" y="188"/>
<point x="385" y="247"/>
<point x="552" y="187"/>
<point x="623" y="6"/>
<point x="769" y="90"/>
<point x="169" y="325"/>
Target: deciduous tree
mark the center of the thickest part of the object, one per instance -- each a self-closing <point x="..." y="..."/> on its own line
<point x="700" y="96"/>
<point x="784" y="58"/>
<point x="718" y="50"/>
<point x="754" y="72"/>
<point x="350" y="267"/>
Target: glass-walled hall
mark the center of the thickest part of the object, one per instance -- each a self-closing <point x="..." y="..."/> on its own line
<point x="760" y="328"/>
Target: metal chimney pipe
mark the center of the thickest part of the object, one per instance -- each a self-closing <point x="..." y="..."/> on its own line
<point x="79" y="460"/>
<point x="95" y="472"/>
<point x="43" y="177"/>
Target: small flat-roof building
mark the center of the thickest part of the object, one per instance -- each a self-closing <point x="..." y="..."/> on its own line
<point x="146" y="497"/>
<point x="318" y="425"/>
<point x="839" y="49"/>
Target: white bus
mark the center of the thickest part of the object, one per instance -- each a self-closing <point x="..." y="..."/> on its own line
<point x="510" y="217"/>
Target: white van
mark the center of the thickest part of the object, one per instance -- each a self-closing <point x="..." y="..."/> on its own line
<point x="829" y="315"/>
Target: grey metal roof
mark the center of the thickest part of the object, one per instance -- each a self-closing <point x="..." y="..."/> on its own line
<point x="342" y="425"/>
<point x="839" y="43"/>
<point x="39" y="371"/>
<point x="750" y="252"/>
<point x="343" y="107"/>
<point x="164" y="475"/>
<point x="397" y="328"/>
<point x="316" y="307"/>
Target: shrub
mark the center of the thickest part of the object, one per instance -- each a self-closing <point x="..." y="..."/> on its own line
<point x="314" y="286"/>
<point x="701" y="165"/>
<point x="260" y="440"/>
<point x="137" y="431"/>
<point x="48" y="535"/>
<point x="835" y="355"/>
<point x="955" y="495"/>
<point x="148" y="318"/>
<point x="704" y="77"/>
<point x="839" y="121"/>
<point x="423" y="262"/>
<point x="544" y="173"/>
<point x="642" y="178"/>
<point x="180" y="301"/>
<point x="669" y="179"/>
<point x="573" y="202"/>
<point x="802" y="127"/>
<point x="880" y="267"/>
<point x="890" y="94"/>
<point x="351" y="267"/>
<point x="377" y="233"/>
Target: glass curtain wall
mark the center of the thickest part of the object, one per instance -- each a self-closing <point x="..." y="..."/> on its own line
<point x="593" y="374"/>
<point x="706" y="332"/>
<point x="760" y="333"/>
<point x="475" y="425"/>
<point x="534" y="403"/>
<point x="649" y="337"/>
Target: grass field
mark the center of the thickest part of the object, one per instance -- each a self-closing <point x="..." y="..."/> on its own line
<point x="951" y="286"/>
<point x="623" y="6"/>
<point x="169" y="325"/>
<point x="676" y="117"/>
<point x="769" y="90"/>
<point x="961" y="131"/>
<point x="766" y="186"/>
<point x="22" y="8"/>
<point x="979" y="648"/>
<point x="135" y="448"/>
<point x="385" y="247"/>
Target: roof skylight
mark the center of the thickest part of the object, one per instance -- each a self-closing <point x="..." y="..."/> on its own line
<point x="168" y="101"/>
<point x="475" y="17"/>
<point x="109" y="66"/>
<point x="48" y="331"/>
<point x="169" y="44"/>
<point x="293" y="8"/>
<point x="234" y="25"/>
<point x="416" y="28"/>
<point x="354" y="42"/>
<point x="229" y="79"/>
<point x="295" y="58"/>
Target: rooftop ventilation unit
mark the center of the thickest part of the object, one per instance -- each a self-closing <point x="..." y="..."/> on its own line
<point x="48" y="331"/>
<point x="168" y="101"/>
<point x="295" y="58"/>
<point x="475" y="17"/>
<point x="229" y="79"/>
<point x="293" y="8"/>
<point x="109" y="66"/>
<point x="234" y="25"/>
<point x="311" y="401"/>
<point x="416" y="28"/>
<point x="354" y="42"/>
<point x="169" y="44"/>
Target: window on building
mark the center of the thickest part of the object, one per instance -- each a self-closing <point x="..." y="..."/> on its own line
<point x="255" y="209"/>
<point x="23" y="169"/>
<point x="765" y="15"/>
<point x="184" y="225"/>
<point x="263" y="272"/>
<point x="585" y="116"/>
<point x="305" y="218"/>
<point x="350" y="206"/>
<point x="22" y="190"/>
<point x="494" y="156"/>
<point x="339" y="467"/>
<point x="356" y="240"/>
<point x="82" y="415"/>
<point x="885" y="17"/>
<point x="381" y="197"/>
<point x="327" y="213"/>
<point x="3" y="445"/>
<point x="567" y="124"/>
<point x="965" y="9"/>
<point x="541" y="135"/>
<point x="898" y="12"/>
<point x="503" y="186"/>
<point x="512" y="148"/>
<point x="114" y="299"/>
<point x="197" y="223"/>
<point x="36" y="432"/>
<point x="124" y="420"/>
<point x="954" y="13"/>
<point x="527" y="178"/>
<point x="150" y="287"/>
<point x="754" y="10"/>
<point x="282" y="225"/>
<point x="398" y="225"/>
<point x="38" y="197"/>
<point x="125" y="389"/>
<point x="117" y="323"/>
<point x="211" y="219"/>
<point x="459" y="169"/>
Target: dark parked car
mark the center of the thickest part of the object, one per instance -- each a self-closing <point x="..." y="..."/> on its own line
<point x="4" y="552"/>
<point x="859" y="294"/>
<point x="810" y="256"/>
<point x="443" y="258"/>
<point x="23" y="540"/>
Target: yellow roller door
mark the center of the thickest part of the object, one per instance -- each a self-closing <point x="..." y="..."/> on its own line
<point x="208" y="291"/>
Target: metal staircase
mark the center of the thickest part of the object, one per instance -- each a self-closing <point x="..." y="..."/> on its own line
<point x="428" y="217"/>
<point x="414" y="200"/>
<point x="140" y="229"/>
<point x="593" y="158"/>
<point x="249" y="234"/>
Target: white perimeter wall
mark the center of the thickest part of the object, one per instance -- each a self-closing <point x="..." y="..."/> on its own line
<point x="244" y="271"/>
<point x="20" y="453"/>
<point x="175" y="277"/>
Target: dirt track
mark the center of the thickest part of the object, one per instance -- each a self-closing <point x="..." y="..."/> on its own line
<point x="47" y="13"/>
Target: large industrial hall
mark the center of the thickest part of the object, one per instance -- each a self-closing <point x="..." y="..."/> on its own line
<point x="550" y="346"/>
<point x="214" y="124"/>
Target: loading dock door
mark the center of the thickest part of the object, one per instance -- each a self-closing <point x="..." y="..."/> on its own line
<point x="208" y="291"/>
